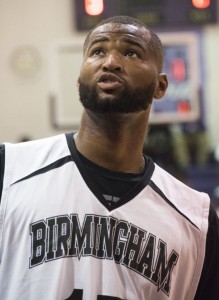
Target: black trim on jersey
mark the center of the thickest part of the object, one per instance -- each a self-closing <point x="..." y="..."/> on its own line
<point x="157" y="190"/>
<point x="94" y="188"/>
<point x="2" y="167"/>
<point x="56" y="164"/>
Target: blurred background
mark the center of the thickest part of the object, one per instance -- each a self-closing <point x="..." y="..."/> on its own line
<point x="40" y="56"/>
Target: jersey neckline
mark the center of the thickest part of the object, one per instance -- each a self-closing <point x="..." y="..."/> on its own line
<point x="94" y="187"/>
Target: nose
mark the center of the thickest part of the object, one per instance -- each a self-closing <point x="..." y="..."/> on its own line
<point x="113" y="62"/>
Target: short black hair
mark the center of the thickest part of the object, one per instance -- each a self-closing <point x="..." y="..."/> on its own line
<point x="154" y="44"/>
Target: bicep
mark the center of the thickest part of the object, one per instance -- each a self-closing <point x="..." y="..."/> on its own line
<point x="208" y="287"/>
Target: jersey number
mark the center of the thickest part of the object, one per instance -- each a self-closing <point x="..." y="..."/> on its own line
<point x="78" y="295"/>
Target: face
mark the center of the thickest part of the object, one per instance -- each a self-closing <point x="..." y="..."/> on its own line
<point x="119" y="73"/>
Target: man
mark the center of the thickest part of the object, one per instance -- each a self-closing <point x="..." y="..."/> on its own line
<point x="87" y="216"/>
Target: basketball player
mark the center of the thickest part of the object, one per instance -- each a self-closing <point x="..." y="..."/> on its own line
<point x="87" y="216"/>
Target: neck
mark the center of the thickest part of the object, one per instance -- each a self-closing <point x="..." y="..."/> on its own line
<point x="114" y="141"/>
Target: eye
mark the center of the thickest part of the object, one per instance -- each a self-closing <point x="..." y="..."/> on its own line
<point x="131" y="53"/>
<point x="97" y="52"/>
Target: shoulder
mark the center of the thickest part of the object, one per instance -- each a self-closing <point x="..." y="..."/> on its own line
<point x="44" y="143"/>
<point x="27" y="157"/>
<point x="191" y="203"/>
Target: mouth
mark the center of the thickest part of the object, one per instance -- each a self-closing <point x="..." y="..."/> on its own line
<point x="109" y="82"/>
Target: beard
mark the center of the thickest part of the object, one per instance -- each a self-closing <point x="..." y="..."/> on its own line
<point x="128" y="101"/>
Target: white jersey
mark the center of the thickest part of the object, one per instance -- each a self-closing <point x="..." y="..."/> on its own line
<point x="59" y="240"/>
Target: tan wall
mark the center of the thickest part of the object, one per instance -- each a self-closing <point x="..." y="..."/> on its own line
<point x="212" y="83"/>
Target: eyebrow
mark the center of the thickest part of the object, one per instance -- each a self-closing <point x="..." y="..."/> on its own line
<point x="98" y="40"/>
<point x="133" y="42"/>
<point x="107" y="39"/>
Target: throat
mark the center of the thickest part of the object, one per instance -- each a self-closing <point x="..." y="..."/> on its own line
<point x="112" y="142"/>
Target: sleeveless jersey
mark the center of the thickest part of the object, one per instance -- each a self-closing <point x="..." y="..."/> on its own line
<point x="60" y="240"/>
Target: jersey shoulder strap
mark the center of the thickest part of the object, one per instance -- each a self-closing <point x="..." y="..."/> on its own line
<point x="2" y="166"/>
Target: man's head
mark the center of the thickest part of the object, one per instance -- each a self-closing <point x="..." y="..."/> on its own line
<point x="154" y="43"/>
<point x="121" y="67"/>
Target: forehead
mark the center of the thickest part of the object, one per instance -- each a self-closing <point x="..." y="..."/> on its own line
<point x="133" y="32"/>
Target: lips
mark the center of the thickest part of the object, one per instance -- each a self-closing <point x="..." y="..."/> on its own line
<point x="109" y="81"/>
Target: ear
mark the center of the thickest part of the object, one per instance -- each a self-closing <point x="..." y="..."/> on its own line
<point x="162" y="85"/>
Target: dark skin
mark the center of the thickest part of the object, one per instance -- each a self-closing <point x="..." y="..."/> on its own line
<point x="115" y="140"/>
